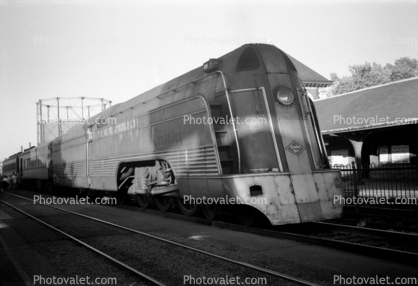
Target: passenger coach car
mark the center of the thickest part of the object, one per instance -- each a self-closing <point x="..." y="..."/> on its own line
<point x="152" y="147"/>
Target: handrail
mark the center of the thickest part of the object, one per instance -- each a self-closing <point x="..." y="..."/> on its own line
<point x="319" y="138"/>
<point x="233" y="124"/>
<point x="194" y="82"/>
<point x="305" y="119"/>
<point x="276" y="148"/>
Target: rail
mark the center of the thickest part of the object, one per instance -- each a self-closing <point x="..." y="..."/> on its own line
<point x="124" y="265"/>
<point x="242" y="264"/>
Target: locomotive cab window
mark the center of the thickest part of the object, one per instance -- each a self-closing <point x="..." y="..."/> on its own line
<point x="248" y="60"/>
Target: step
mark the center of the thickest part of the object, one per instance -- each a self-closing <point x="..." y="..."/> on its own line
<point x="224" y="152"/>
<point x="216" y="109"/>
<point x="223" y="146"/>
<point x="227" y="165"/>
<point x="220" y="136"/>
<point x="226" y="170"/>
<point x="218" y="119"/>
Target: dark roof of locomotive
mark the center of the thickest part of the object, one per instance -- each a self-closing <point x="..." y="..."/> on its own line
<point x="379" y="105"/>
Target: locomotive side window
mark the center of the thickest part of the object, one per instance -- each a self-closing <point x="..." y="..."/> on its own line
<point x="248" y="60"/>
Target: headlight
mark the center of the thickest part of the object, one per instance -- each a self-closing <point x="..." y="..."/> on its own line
<point x="284" y="96"/>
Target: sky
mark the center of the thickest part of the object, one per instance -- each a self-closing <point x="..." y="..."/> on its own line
<point x="119" y="49"/>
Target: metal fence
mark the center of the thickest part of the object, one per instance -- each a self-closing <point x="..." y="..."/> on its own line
<point x="393" y="180"/>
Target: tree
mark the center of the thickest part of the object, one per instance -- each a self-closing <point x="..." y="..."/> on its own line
<point x="371" y="74"/>
<point x="403" y="68"/>
<point x="362" y="76"/>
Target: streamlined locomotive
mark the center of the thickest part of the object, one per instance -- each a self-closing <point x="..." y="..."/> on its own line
<point x="240" y="128"/>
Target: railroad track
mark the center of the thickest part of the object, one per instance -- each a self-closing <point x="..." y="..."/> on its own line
<point x="382" y="243"/>
<point x="394" y="246"/>
<point x="144" y="276"/>
<point x="367" y="223"/>
<point x="88" y="246"/>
